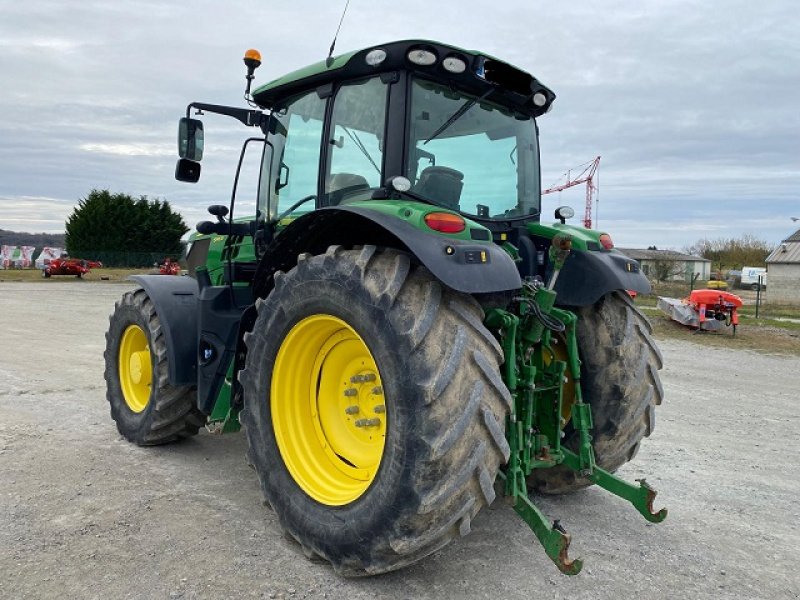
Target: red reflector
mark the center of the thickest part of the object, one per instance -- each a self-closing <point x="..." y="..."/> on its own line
<point x="445" y="222"/>
<point x="605" y="241"/>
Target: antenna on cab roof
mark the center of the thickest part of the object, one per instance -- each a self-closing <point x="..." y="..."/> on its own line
<point x="329" y="60"/>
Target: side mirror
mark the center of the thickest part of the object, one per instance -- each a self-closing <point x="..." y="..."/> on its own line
<point x="187" y="170"/>
<point x="190" y="139"/>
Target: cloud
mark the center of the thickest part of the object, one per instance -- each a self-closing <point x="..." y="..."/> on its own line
<point x="130" y="149"/>
<point x="691" y="105"/>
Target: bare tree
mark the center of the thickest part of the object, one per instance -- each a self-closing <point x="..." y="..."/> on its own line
<point x="666" y="270"/>
<point x="732" y="253"/>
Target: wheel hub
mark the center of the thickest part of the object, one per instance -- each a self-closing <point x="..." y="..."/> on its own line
<point x="135" y="368"/>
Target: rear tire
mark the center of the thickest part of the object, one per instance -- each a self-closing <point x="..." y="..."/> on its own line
<point x="147" y="409"/>
<point x="619" y="379"/>
<point x="445" y="408"/>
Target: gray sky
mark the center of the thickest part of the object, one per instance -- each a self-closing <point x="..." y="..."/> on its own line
<point x="692" y="105"/>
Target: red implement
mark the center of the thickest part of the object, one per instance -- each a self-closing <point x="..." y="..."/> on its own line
<point x="169" y="267"/>
<point x="713" y="304"/>
<point x="70" y="266"/>
<point x="707" y="310"/>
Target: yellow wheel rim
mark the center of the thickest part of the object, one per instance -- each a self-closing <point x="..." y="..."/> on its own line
<point x="135" y="368"/>
<point x="328" y="410"/>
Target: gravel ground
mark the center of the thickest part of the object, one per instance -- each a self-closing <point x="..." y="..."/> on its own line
<point x="85" y="514"/>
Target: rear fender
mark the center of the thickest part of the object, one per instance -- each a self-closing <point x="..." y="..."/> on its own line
<point x="589" y="275"/>
<point x="464" y="266"/>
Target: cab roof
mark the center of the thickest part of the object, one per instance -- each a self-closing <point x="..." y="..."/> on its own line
<point x="482" y="72"/>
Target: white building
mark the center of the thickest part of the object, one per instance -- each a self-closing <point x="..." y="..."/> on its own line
<point x="783" y="271"/>
<point x="677" y="266"/>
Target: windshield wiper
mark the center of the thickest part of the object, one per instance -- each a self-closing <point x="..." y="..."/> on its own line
<point x="458" y="114"/>
<point x="360" y="145"/>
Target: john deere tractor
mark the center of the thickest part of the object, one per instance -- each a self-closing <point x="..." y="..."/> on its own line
<point x="400" y="335"/>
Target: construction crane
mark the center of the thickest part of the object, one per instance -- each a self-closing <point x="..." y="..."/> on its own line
<point x="587" y="176"/>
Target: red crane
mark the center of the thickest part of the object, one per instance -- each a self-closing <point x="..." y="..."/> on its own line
<point x="587" y="176"/>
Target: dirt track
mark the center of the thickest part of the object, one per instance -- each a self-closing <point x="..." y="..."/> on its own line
<point x="84" y="514"/>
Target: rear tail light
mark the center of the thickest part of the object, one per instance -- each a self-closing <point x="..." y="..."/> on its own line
<point x="445" y="222"/>
<point x="605" y="241"/>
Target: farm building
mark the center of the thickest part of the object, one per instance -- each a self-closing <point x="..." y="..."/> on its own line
<point x="783" y="271"/>
<point x="669" y="265"/>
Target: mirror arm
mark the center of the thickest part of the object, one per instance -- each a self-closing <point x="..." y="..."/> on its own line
<point x="251" y="118"/>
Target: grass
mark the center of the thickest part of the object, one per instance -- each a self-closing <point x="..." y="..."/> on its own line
<point x="765" y="336"/>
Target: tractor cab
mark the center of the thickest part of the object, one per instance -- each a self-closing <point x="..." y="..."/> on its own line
<point x="412" y="144"/>
<point x="412" y="120"/>
<point x="457" y="127"/>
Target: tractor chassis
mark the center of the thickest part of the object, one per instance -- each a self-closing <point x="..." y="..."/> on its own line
<point x="541" y="359"/>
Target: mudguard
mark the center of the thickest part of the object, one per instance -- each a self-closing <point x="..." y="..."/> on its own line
<point x="469" y="267"/>
<point x="589" y="275"/>
<point x="176" y="303"/>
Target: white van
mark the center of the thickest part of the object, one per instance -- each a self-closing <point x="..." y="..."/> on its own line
<point x="750" y="277"/>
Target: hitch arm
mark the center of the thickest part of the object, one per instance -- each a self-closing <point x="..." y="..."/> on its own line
<point x="641" y="496"/>
<point x="554" y="539"/>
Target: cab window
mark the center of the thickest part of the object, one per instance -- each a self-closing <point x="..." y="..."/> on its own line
<point x="296" y="156"/>
<point x="356" y="141"/>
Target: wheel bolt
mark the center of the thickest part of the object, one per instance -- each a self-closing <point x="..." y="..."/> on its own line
<point x="368" y="422"/>
<point x="380" y="408"/>
<point x="351" y="392"/>
<point x="351" y="410"/>
<point x="362" y="378"/>
<point x="377" y="390"/>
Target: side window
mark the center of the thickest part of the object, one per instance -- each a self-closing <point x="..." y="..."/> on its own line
<point x="355" y="158"/>
<point x="295" y="165"/>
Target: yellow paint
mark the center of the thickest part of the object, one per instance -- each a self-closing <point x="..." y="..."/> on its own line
<point x="135" y="368"/>
<point x="324" y="394"/>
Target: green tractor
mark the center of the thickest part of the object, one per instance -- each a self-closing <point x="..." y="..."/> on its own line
<point x="398" y="333"/>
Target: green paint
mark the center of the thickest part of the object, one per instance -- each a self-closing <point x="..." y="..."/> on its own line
<point x="414" y="213"/>
<point x="238" y="248"/>
<point x="582" y="239"/>
<point x="339" y="62"/>
<point x="224" y="419"/>
<point x="537" y="363"/>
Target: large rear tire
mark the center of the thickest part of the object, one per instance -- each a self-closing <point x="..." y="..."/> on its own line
<point x="147" y="409"/>
<point x="619" y="379"/>
<point x="335" y="328"/>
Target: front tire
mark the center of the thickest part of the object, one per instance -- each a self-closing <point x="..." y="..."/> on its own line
<point x="619" y="379"/>
<point x="147" y="409"/>
<point x="441" y="422"/>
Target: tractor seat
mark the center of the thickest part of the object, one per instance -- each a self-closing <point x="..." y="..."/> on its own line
<point x="344" y="185"/>
<point x="442" y="185"/>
